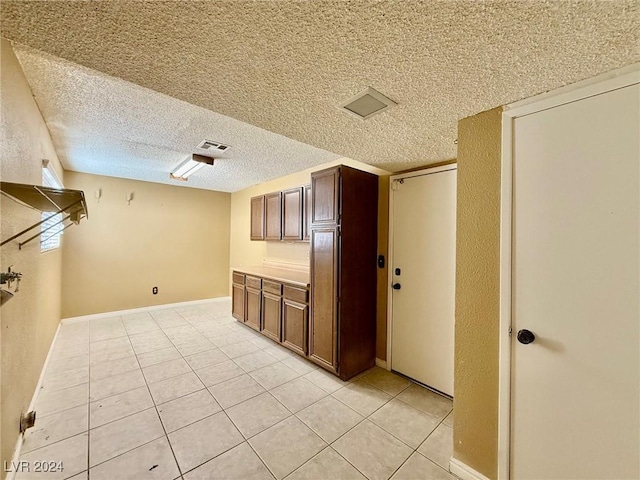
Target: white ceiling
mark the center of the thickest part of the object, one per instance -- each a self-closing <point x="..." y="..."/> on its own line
<point x="284" y="66"/>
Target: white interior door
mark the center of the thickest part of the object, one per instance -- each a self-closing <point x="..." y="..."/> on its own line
<point x="424" y="249"/>
<point x="576" y="269"/>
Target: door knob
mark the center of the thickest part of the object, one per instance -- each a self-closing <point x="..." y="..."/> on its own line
<point x="525" y="337"/>
<point x="396" y="286"/>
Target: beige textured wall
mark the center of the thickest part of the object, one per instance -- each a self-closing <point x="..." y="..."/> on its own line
<point x="28" y="320"/>
<point x="245" y="252"/>
<point x="475" y="430"/>
<point x="174" y="238"/>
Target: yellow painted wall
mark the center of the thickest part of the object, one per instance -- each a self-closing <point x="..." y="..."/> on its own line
<point x="475" y="430"/>
<point x="171" y="237"/>
<point x="28" y="320"/>
<point x="245" y="252"/>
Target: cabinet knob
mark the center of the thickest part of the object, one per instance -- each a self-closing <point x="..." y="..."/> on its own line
<point x="525" y="337"/>
<point x="396" y="286"/>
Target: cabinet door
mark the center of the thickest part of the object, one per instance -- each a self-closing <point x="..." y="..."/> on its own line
<point x="324" y="297"/>
<point x="271" y="315"/>
<point x="257" y="218"/>
<point x="273" y="216"/>
<point x="252" y="308"/>
<point x="237" y="293"/>
<point x="292" y="214"/>
<point x="306" y="229"/>
<point x="295" y="323"/>
<point x="325" y="187"/>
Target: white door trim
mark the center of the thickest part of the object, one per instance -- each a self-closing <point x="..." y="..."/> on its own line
<point x="600" y="84"/>
<point x="418" y="173"/>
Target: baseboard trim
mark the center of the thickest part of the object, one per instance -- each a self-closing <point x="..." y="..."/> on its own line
<point x="118" y="313"/>
<point x="381" y="363"/>
<point x="464" y="471"/>
<point x="11" y="475"/>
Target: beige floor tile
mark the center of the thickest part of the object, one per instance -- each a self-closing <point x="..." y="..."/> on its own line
<point x="261" y="341"/>
<point x="327" y="464"/>
<point x="206" y="358"/>
<point x="56" y="427"/>
<point x="109" y="343"/>
<point x="158" y="356"/>
<point x="236" y="390"/>
<point x="71" y="454"/>
<point x="286" y="446"/>
<point x="195" y="347"/>
<point x="238" y="349"/>
<point x="124" y="382"/>
<point x="162" y="371"/>
<point x="386" y="381"/>
<point x="186" y="410"/>
<point x="53" y="402"/>
<point x="362" y="397"/>
<point x="65" y="364"/>
<point x="374" y="452"/>
<point x="80" y="476"/>
<point x="170" y="322"/>
<point x="152" y="346"/>
<point x="111" y="354"/>
<point x="227" y="339"/>
<point x="149" y="462"/>
<point x="278" y="352"/>
<point x="439" y="446"/>
<point x="449" y="420"/>
<point x="329" y="418"/>
<point x="418" y="467"/>
<point x="326" y="381"/>
<point x="426" y="401"/>
<point x="175" y="387"/>
<point x="201" y="441"/>
<point x="118" y="437"/>
<point x="239" y="463"/>
<point x="299" y="364"/>
<point x="273" y="375"/>
<point x="298" y="394"/>
<point x="69" y="378"/>
<point x="254" y="361"/>
<point x="404" y="422"/>
<point x="257" y="414"/>
<point x="119" y="406"/>
<point x="111" y="369"/>
<point x="221" y="372"/>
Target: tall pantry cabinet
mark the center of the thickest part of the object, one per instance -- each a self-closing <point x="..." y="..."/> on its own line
<point x="344" y="232"/>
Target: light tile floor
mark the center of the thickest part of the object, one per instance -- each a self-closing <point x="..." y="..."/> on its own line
<point x="190" y="393"/>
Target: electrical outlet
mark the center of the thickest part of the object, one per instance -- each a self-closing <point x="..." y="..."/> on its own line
<point x="155" y="290"/>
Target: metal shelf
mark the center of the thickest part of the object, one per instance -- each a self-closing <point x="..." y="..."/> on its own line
<point x="46" y="199"/>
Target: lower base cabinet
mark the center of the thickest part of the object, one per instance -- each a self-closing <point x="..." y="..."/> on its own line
<point x="253" y="308"/>
<point x="295" y="321"/>
<point x="271" y="315"/>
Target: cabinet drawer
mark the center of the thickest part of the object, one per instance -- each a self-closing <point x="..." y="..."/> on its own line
<point x="253" y="282"/>
<point x="300" y="295"/>
<point x="272" y="287"/>
<point x="238" y="278"/>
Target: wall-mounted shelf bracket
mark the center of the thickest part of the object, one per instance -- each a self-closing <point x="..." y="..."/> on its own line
<point x="46" y="199"/>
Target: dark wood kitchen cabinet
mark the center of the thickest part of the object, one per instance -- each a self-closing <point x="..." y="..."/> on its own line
<point x="271" y="309"/>
<point x="344" y="232"/>
<point x="306" y="219"/>
<point x="295" y="319"/>
<point x="257" y="218"/>
<point x="253" y="302"/>
<point x="292" y="211"/>
<point x="273" y="216"/>
<point x="237" y="296"/>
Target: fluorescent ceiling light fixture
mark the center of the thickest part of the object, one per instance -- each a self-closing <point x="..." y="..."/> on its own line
<point x="366" y="104"/>
<point x="190" y="166"/>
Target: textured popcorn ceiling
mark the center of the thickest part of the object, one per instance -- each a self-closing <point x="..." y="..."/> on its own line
<point x="284" y="66"/>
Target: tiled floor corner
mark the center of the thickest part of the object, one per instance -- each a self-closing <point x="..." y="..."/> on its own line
<point x="189" y="393"/>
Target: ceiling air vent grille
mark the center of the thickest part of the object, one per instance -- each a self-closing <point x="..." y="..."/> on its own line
<point x="210" y="146"/>
<point x="366" y="104"/>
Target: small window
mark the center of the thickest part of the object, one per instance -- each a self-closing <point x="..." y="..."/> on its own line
<point x="51" y="230"/>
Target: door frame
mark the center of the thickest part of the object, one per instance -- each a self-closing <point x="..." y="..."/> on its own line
<point x="393" y="178"/>
<point x="598" y="85"/>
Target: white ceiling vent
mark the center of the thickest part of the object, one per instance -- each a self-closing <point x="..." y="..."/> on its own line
<point x="210" y="146"/>
<point x="366" y="104"/>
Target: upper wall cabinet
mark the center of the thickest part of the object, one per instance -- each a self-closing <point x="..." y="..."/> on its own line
<point x="306" y="229"/>
<point x="273" y="216"/>
<point x="324" y="197"/>
<point x="292" y="214"/>
<point x="257" y="218"/>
